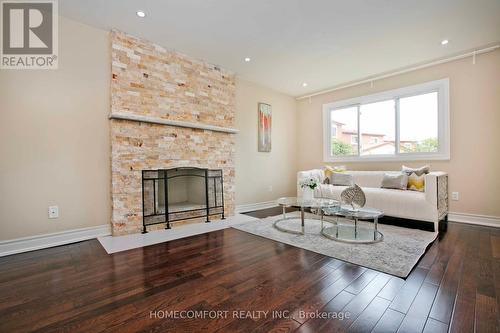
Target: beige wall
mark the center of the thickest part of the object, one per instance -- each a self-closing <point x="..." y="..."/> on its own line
<point x="257" y="171"/>
<point x="54" y="141"/>
<point x="475" y="129"/>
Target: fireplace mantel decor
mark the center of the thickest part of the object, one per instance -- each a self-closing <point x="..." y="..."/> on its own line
<point x="178" y="194"/>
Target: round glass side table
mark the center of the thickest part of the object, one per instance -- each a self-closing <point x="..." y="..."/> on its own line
<point x="353" y="233"/>
<point x="315" y="203"/>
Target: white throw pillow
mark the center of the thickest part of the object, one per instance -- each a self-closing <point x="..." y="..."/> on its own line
<point x="341" y="179"/>
<point x="397" y="181"/>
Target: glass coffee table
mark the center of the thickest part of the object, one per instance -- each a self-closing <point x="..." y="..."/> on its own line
<point x="315" y="203"/>
<point x="353" y="233"/>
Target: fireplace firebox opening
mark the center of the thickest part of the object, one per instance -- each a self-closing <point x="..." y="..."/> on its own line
<point x="179" y="194"/>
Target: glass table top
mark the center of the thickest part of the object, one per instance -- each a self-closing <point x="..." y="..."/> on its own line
<point x="312" y="203"/>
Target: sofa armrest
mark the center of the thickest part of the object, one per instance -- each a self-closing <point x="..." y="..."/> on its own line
<point x="436" y="191"/>
<point x="317" y="174"/>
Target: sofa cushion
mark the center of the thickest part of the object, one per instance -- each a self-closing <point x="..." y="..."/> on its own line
<point x="396" y="203"/>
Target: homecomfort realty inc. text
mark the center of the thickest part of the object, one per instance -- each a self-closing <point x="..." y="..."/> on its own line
<point x="246" y="314"/>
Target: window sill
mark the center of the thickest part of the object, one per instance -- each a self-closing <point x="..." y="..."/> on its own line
<point x="399" y="158"/>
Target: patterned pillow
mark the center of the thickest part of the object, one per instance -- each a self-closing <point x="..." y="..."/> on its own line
<point x="418" y="171"/>
<point x="416" y="183"/>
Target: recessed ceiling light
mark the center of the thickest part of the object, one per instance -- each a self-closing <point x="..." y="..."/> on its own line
<point x="304" y="84"/>
<point x="247" y="59"/>
<point x="444" y="42"/>
<point x="140" y="13"/>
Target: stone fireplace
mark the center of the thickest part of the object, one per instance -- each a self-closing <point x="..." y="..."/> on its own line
<point x="167" y="111"/>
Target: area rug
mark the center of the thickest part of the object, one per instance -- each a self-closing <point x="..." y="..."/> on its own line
<point x="397" y="254"/>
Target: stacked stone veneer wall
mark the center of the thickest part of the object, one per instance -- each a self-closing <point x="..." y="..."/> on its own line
<point x="148" y="80"/>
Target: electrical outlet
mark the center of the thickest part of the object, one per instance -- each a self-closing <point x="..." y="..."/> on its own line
<point x="454" y="196"/>
<point x="270" y="188"/>
<point x="53" y="212"/>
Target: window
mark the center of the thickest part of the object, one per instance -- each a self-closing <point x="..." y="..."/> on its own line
<point x="346" y="120"/>
<point x="377" y="120"/>
<point x="419" y="123"/>
<point x="410" y="123"/>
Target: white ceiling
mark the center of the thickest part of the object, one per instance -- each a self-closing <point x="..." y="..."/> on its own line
<point x="321" y="42"/>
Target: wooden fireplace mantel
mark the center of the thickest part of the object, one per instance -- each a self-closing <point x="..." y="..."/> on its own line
<point x="168" y="122"/>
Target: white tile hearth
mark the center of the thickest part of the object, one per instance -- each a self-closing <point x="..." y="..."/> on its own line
<point x="113" y="244"/>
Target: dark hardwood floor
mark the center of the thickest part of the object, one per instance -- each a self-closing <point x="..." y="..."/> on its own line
<point x="79" y="288"/>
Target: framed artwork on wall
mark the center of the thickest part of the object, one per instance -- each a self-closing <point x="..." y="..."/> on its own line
<point x="264" y="131"/>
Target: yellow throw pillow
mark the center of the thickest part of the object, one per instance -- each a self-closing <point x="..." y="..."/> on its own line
<point x="328" y="171"/>
<point x="416" y="183"/>
<point x="341" y="177"/>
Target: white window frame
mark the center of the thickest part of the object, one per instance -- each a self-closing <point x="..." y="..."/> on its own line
<point x="334" y="135"/>
<point x="442" y="87"/>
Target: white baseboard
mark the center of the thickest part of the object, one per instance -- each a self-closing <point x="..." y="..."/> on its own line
<point x="31" y="243"/>
<point x="490" y="221"/>
<point x="255" y="206"/>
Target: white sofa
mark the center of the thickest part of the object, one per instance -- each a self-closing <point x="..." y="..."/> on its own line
<point x="429" y="206"/>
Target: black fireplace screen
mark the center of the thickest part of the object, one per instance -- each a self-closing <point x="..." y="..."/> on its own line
<point x="178" y="194"/>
